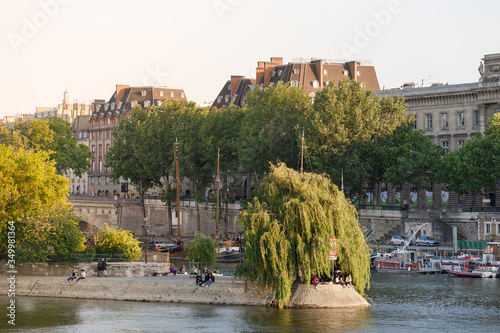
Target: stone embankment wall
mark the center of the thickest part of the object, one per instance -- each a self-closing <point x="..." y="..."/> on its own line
<point x="181" y="289"/>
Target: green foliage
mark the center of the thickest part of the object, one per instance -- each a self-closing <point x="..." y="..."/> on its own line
<point x="272" y="127"/>
<point x="287" y="228"/>
<point x="119" y="241"/>
<point x="344" y="129"/>
<point x="202" y="249"/>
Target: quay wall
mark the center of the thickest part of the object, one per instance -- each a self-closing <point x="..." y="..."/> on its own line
<point x="181" y="289"/>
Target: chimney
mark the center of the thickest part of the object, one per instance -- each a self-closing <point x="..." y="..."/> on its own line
<point x="319" y="70"/>
<point x="353" y="69"/>
<point x="97" y="102"/>
<point x="235" y="82"/>
<point x="277" y="60"/>
<point x="259" y="72"/>
<point x="120" y="89"/>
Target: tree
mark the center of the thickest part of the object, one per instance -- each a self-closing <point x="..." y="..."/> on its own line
<point x="195" y="162"/>
<point x="54" y="136"/>
<point x="33" y="197"/>
<point x="415" y="160"/>
<point x="287" y="228"/>
<point x="119" y="241"/>
<point x="476" y="166"/>
<point x="131" y="155"/>
<point x="67" y="153"/>
<point x="202" y="249"/>
<point x="272" y="127"/>
<point x="220" y="132"/>
<point x="346" y="120"/>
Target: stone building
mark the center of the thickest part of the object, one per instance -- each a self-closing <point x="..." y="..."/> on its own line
<point x="80" y="127"/>
<point x="67" y="110"/>
<point x="309" y="75"/>
<point x="105" y="118"/>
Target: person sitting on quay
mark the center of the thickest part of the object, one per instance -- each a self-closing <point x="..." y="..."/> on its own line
<point x="82" y="275"/>
<point x="324" y="279"/>
<point x="199" y="279"/>
<point x="348" y="281"/>
<point x="209" y="278"/>
<point x="99" y="268"/>
<point x="314" y="281"/>
<point x="183" y="270"/>
<point x="73" y="276"/>
<point x="173" y="269"/>
<point x="103" y="267"/>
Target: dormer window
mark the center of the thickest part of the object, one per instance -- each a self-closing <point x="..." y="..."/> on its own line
<point x="133" y="104"/>
<point x="98" y="107"/>
<point x="273" y="73"/>
<point x="171" y="94"/>
<point x="315" y="84"/>
<point x="357" y="73"/>
<point x="219" y="99"/>
<point x="280" y="72"/>
<point x="113" y="105"/>
<point x="182" y="95"/>
<point x="296" y="71"/>
<point x="158" y="103"/>
<point x="143" y="93"/>
<point x="228" y="87"/>
<point x="345" y="73"/>
<point x="226" y="98"/>
<point x="147" y="103"/>
<point x="106" y="107"/>
<point x="295" y="83"/>
<point x="161" y="93"/>
<point x="120" y="105"/>
<point x="325" y="71"/>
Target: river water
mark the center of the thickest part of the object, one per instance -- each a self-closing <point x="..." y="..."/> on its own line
<point x="400" y="303"/>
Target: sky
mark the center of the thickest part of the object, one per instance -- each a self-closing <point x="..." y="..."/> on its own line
<point x="196" y="45"/>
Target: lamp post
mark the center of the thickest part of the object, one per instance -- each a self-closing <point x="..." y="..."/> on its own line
<point x="146" y="226"/>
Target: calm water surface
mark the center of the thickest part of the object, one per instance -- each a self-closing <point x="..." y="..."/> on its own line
<point x="400" y="303"/>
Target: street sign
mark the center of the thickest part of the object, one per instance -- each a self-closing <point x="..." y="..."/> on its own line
<point x="333" y="248"/>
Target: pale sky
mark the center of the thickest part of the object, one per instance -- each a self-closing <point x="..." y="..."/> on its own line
<point x="92" y="45"/>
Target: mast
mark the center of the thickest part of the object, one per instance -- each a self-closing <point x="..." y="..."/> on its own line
<point x="178" y="196"/>
<point x="302" y="155"/>
<point x="217" y="205"/>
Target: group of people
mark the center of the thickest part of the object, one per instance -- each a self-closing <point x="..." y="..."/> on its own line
<point x="209" y="277"/>
<point x="174" y="270"/>
<point x="73" y="275"/>
<point x="101" y="268"/>
<point x="338" y="278"/>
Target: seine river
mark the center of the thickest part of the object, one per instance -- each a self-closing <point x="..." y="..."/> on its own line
<point x="400" y="303"/>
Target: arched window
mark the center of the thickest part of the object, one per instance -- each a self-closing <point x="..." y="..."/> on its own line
<point x="295" y="83"/>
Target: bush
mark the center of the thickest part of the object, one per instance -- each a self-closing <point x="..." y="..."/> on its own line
<point x="118" y="241"/>
<point x="202" y="249"/>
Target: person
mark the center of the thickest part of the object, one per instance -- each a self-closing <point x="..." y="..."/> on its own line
<point x="99" y="268"/>
<point x="103" y="267"/>
<point x="182" y="270"/>
<point x="173" y="269"/>
<point x="199" y="279"/>
<point x="209" y="279"/>
<point x="314" y="281"/>
<point x="337" y="279"/>
<point x="82" y="275"/>
<point x="73" y="276"/>
<point x="216" y="270"/>
<point x="348" y="280"/>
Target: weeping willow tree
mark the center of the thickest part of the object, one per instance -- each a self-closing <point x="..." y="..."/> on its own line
<point x="287" y="228"/>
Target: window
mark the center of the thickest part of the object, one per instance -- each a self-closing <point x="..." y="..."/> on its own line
<point x="428" y="121"/>
<point x="119" y="105"/>
<point x="444" y="120"/>
<point x="460" y="144"/>
<point x="158" y="102"/>
<point x="315" y="84"/>
<point x="487" y="228"/>
<point x="226" y="98"/>
<point x="172" y="94"/>
<point x="280" y="72"/>
<point x="325" y="71"/>
<point x="161" y="93"/>
<point x="358" y="74"/>
<point x="460" y="119"/>
<point x="143" y="93"/>
<point x="273" y="73"/>
<point x="106" y="107"/>
<point x="345" y="73"/>
<point x="295" y="71"/>
<point x="476" y="118"/>
<point x="133" y="104"/>
<point x="182" y="95"/>
<point x="295" y="83"/>
<point x="100" y="149"/>
<point x="496" y="110"/>
<point x="219" y="99"/>
<point x="445" y="146"/>
<point x="113" y="105"/>
<point x="147" y="103"/>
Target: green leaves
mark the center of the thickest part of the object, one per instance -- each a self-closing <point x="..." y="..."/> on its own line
<point x="287" y="227"/>
<point x="202" y="249"/>
<point x="119" y="241"/>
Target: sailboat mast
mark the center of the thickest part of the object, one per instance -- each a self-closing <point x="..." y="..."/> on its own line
<point x="178" y="195"/>
<point x="217" y="206"/>
<point x="302" y="155"/>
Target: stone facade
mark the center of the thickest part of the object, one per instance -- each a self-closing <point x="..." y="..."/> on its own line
<point x="66" y="110"/>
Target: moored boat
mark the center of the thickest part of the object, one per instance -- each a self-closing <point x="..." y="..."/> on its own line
<point x="471" y="269"/>
<point x="402" y="261"/>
